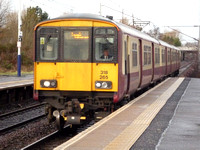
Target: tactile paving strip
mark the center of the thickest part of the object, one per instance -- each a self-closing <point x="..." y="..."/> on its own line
<point x="130" y="135"/>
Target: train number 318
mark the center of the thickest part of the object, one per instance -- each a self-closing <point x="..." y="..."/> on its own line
<point x="104" y="74"/>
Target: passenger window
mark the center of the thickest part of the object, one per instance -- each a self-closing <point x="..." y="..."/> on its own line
<point x="147" y="55"/>
<point x="163" y="55"/>
<point x="134" y="54"/>
<point x="168" y="56"/>
<point x="157" y="55"/>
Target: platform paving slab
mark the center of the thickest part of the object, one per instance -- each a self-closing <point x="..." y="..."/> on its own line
<point x="183" y="132"/>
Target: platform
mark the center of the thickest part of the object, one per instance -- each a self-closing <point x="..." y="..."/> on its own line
<point x="145" y="122"/>
<point x="183" y="131"/>
<point x="9" y="82"/>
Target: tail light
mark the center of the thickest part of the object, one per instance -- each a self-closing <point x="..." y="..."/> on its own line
<point x="115" y="98"/>
<point x="35" y="95"/>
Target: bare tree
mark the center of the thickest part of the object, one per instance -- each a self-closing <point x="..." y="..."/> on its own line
<point x="10" y="29"/>
<point x="8" y="40"/>
<point x="155" y="32"/>
<point x="171" y="38"/>
<point x="4" y="9"/>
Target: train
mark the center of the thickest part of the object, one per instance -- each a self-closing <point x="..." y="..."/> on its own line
<point x="86" y="63"/>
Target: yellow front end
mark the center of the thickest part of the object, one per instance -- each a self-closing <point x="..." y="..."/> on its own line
<point x="76" y="76"/>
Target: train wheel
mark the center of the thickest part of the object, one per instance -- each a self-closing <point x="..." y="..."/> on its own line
<point x="59" y="120"/>
<point x="60" y="123"/>
<point x="49" y="114"/>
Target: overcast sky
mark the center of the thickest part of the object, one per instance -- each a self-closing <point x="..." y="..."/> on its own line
<point x="161" y="12"/>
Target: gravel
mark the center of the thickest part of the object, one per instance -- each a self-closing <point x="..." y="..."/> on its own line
<point x="21" y="117"/>
<point x="17" y="105"/>
<point x="26" y="134"/>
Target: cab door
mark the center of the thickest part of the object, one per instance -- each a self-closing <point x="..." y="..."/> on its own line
<point x="74" y="74"/>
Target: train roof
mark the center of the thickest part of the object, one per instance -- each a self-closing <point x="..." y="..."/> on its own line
<point x="168" y="45"/>
<point x="123" y="27"/>
<point x="136" y="32"/>
<point x="83" y="16"/>
<point x="164" y="43"/>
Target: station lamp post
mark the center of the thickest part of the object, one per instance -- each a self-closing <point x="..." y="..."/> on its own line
<point x="19" y="41"/>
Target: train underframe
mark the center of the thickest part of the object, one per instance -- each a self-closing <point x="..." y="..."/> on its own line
<point x="76" y="107"/>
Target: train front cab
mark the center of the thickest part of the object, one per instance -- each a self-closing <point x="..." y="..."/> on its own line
<point x="69" y="74"/>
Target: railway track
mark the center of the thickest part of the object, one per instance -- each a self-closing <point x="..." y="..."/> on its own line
<point x="21" y="110"/>
<point x="56" y="138"/>
<point x="45" y="139"/>
<point x="20" y="117"/>
<point x="185" y="67"/>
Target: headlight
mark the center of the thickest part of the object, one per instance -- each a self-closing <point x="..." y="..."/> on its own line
<point x="98" y="85"/>
<point x="53" y="83"/>
<point x="48" y="83"/>
<point x="103" y="84"/>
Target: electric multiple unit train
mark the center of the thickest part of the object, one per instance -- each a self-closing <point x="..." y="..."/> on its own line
<point x="85" y="62"/>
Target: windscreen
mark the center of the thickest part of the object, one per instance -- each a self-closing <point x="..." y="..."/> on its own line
<point x="105" y="44"/>
<point x="48" y="44"/>
<point x="76" y="45"/>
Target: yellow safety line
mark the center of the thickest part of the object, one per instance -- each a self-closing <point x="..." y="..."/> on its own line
<point x="101" y="122"/>
<point x="130" y="135"/>
<point x="15" y="82"/>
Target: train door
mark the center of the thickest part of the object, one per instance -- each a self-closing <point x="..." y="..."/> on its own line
<point x="170" y="61"/>
<point x="133" y="61"/>
<point x="76" y="55"/>
<point x="166" y="60"/>
<point x="128" y="63"/>
<point x="125" y="63"/>
<point x="153" y="62"/>
<point x="146" y="63"/>
<point x="140" y="62"/>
